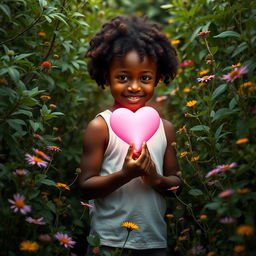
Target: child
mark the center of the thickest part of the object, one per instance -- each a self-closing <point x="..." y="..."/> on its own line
<point x="130" y="55"/>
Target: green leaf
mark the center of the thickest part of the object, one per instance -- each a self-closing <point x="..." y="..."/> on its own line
<point x="219" y="90"/>
<point x="5" y="8"/>
<point x="23" y="112"/>
<point x="51" y="206"/>
<point x="240" y="48"/>
<point x="200" y="128"/>
<point x="23" y="56"/>
<point x="13" y="73"/>
<point x="48" y="182"/>
<point x="223" y="112"/>
<point x="228" y="34"/>
<point x="212" y="205"/>
<point x="195" y="192"/>
<point x="35" y="125"/>
<point x="93" y="240"/>
<point x="218" y="131"/>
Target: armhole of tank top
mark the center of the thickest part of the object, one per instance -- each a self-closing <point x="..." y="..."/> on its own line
<point x="163" y="131"/>
<point x="103" y="115"/>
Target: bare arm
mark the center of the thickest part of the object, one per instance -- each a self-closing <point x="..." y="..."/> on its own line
<point x="94" y="143"/>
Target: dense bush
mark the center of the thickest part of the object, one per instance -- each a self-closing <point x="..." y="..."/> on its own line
<point x="47" y="98"/>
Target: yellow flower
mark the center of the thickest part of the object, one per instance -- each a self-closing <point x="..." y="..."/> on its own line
<point x="202" y="84"/>
<point x="45" y="97"/>
<point x="236" y="65"/>
<point x="195" y="158"/>
<point x="211" y="253"/>
<point x="175" y="42"/>
<point x="204" y="72"/>
<point x="182" y="238"/>
<point x="129" y="225"/>
<point x="186" y="90"/>
<point x="41" y="34"/>
<point x="245" y="230"/>
<point x="242" y="141"/>
<point x="246" y="84"/>
<point x="252" y="88"/>
<point x="203" y="217"/>
<point x="62" y="185"/>
<point x="169" y="216"/>
<point x="239" y="248"/>
<point x="29" y="246"/>
<point x="191" y="103"/>
<point x="170" y="21"/>
<point x="183" y="154"/>
<point x="243" y="190"/>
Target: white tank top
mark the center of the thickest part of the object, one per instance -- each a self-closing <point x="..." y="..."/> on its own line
<point x="133" y="202"/>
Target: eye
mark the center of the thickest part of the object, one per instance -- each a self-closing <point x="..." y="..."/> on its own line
<point x="122" y="78"/>
<point x="146" y="78"/>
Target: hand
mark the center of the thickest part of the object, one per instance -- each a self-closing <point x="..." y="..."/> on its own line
<point x="136" y="166"/>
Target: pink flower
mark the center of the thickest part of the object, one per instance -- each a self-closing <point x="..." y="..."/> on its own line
<point x="203" y="33"/>
<point x="42" y="154"/>
<point x="186" y="63"/>
<point x="65" y="240"/>
<point x="20" y="172"/>
<point x="161" y="98"/>
<point x="54" y="148"/>
<point x="214" y="182"/>
<point x="221" y="168"/>
<point x="227" y="220"/>
<point x="226" y="193"/>
<point x="206" y="78"/>
<point x="236" y="73"/>
<point x="34" y="160"/>
<point x="35" y="221"/>
<point x="85" y="204"/>
<point x="37" y="136"/>
<point x="18" y="204"/>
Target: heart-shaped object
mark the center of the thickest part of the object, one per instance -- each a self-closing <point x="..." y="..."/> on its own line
<point x="135" y="127"/>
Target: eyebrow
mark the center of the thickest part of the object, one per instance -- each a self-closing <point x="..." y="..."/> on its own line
<point x="143" y="72"/>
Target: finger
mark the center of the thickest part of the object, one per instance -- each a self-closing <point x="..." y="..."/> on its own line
<point x="143" y="154"/>
<point x="148" y="166"/>
<point x="130" y="151"/>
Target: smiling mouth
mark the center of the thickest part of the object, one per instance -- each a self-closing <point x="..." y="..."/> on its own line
<point x="133" y="99"/>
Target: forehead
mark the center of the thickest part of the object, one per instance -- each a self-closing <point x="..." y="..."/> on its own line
<point x="132" y="60"/>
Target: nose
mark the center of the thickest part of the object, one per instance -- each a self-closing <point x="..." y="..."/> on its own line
<point x="134" y="86"/>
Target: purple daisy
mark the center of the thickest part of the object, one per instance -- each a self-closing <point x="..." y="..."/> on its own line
<point x="65" y="240"/>
<point x="35" y="221"/>
<point x="236" y="73"/>
<point x="205" y="79"/>
<point x="34" y="160"/>
<point x="18" y="204"/>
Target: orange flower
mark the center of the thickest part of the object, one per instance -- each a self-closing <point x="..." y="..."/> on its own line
<point x="243" y="190"/>
<point x="203" y="217"/>
<point x="183" y="154"/>
<point x="41" y="34"/>
<point x="169" y="215"/>
<point x="202" y="84"/>
<point x="236" y="65"/>
<point x="29" y="246"/>
<point x="211" y="253"/>
<point x="239" y="248"/>
<point x="175" y="42"/>
<point x="46" y="64"/>
<point x="204" y="72"/>
<point x="186" y="90"/>
<point x="182" y="238"/>
<point x="182" y="129"/>
<point x="45" y="97"/>
<point x="62" y="185"/>
<point x="195" y="158"/>
<point x="191" y="103"/>
<point x="242" y="141"/>
<point x="129" y="225"/>
<point x="245" y="230"/>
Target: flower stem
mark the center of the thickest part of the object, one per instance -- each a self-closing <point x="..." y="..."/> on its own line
<point x="128" y="233"/>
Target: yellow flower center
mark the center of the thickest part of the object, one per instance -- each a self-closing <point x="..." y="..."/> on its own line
<point x="64" y="240"/>
<point x="37" y="159"/>
<point x="19" y="203"/>
<point x="234" y="73"/>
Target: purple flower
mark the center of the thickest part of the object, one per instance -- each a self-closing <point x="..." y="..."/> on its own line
<point x="221" y="168"/>
<point x="226" y="193"/>
<point x="214" y="182"/>
<point x="34" y="160"/>
<point x="65" y="240"/>
<point x="41" y="154"/>
<point x="206" y="78"/>
<point x="20" y="172"/>
<point x="227" y="220"/>
<point x="35" y="221"/>
<point x="18" y="204"/>
<point x="236" y="73"/>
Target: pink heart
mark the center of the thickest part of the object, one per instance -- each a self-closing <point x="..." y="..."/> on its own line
<point x="135" y="127"/>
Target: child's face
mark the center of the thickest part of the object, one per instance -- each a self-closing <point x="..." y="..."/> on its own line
<point x="132" y="81"/>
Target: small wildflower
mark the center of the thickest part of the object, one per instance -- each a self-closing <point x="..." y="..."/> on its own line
<point x="239" y="248"/>
<point x="242" y="141"/>
<point x="62" y="185"/>
<point x="38" y="221"/>
<point x="183" y="154"/>
<point x="204" y="72"/>
<point x="34" y="160"/>
<point x="211" y="253"/>
<point x="42" y="154"/>
<point x="44" y="238"/>
<point x="174" y="91"/>
<point x="169" y="215"/>
<point x="186" y="90"/>
<point x="41" y="34"/>
<point x="85" y="204"/>
<point x="182" y="238"/>
<point x="20" y="172"/>
<point x="170" y="21"/>
<point x="173" y="188"/>
<point x="202" y="84"/>
<point x="203" y="217"/>
<point x="175" y="42"/>
<point x="182" y="129"/>
<point x="245" y="230"/>
<point x="186" y="63"/>
<point x="191" y="103"/>
<point x="54" y="148"/>
<point x="206" y="78"/>
<point x="203" y="33"/>
<point x="195" y="158"/>
<point x="65" y="240"/>
<point x="129" y="225"/>
<point x="185" y="230"/>
<point x="214" y="182"/>
<point x="46" y="64"/>
<point x="236" y="65"/>
<point x="18" y="204"/>
<point x="52" y="106"/>
<point x="243" y="190"/>
<point x="227" y="220"/>
<point x="161" y="98"/>
<point x="45" y="97"/>
<point x="37" y="136"/>
<point x="209" y="62"/>
<point x="236" y="73"/>
<point x="226" y="193"/>
<point x="221" y="168"/>
<point x="29" y="246"/>
<point x="246" y="84"/>
<point x="96" y="250"/>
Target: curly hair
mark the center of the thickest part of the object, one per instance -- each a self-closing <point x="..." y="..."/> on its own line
<point x="122" y="34"/>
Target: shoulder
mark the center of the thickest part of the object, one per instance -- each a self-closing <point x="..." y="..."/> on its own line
<point x="169" y="130"/>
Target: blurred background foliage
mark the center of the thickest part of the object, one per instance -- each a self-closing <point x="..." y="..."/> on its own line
<point x="45" y="91"/>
